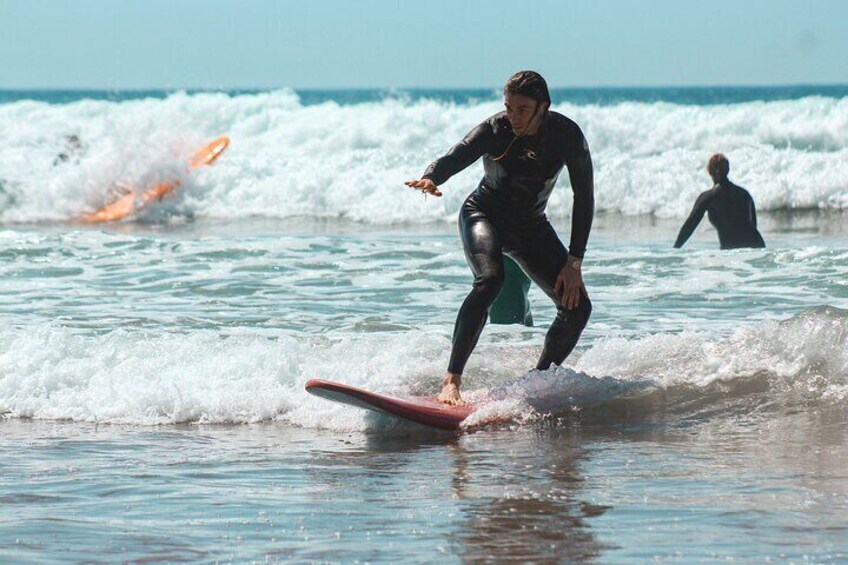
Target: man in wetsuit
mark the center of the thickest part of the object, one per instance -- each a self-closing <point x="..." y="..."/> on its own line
<point x="729" y="207"/>
<point x="523" y="149"/>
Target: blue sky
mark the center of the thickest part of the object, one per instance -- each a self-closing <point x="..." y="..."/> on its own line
<point x="409" y="43"/>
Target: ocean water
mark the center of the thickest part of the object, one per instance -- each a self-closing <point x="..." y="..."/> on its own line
<point x="151" y="370"/>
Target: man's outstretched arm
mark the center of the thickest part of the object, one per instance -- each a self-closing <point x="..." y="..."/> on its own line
<point x="473" y="146"/>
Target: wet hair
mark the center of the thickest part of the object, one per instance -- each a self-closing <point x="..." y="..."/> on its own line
<point x="718" y="166"/>
<point x="529" y="84"/>
<point x="533" y="86"/>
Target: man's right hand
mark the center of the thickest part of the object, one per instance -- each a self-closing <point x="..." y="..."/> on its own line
<point x="426" y="186"/>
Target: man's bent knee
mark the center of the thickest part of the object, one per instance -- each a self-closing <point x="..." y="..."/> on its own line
<point x="489" y="285"/>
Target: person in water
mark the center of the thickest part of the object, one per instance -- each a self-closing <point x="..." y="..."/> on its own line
<point x="523" y="149"/>
<point x="730" y="209"/>
<point x="9" y="191"/>
<point x="73" y="149"/>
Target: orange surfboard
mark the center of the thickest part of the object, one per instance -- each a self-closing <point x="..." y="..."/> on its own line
<point x="132" y="201"/>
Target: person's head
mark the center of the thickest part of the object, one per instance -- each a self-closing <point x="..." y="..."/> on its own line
<point x="527" y="100"/>
<point x="718" y="167"/>
<point x="73" y="140"/>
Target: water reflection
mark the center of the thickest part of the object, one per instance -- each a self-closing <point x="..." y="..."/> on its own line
<point x="523" y="503"/>
<point x="510" y="498"/>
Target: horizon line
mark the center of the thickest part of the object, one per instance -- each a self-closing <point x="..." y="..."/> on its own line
<point x="421" y="88"/>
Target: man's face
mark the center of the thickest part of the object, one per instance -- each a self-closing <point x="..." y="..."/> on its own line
<point x="520" y="110"/>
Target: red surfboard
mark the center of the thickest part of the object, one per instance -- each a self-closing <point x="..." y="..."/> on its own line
<point x="423" y="410"/>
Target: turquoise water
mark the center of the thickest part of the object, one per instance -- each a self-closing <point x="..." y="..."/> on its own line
<point x="151" y="371"/>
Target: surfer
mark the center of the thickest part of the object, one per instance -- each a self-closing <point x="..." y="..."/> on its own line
<point x="729" y="208"/>
<point x="524" y="149"/>
<point x="73" y="148"/>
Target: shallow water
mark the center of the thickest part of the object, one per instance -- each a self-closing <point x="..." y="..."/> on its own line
<point x="741" y="487"/>
<point x="151" y="378"/>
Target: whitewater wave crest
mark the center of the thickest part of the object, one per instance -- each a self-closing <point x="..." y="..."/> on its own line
<point x="348" y="161"/>
<point x="140" y="377"/>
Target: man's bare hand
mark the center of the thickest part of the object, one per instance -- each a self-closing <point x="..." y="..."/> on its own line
<point x="570" y="285"/>
<point x="424" y="185"/>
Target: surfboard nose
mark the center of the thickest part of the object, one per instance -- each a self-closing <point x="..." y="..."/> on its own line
<point x="422" y="410"/>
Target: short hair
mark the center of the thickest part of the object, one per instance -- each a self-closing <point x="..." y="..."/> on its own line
<point x="529" y="84"/>
<point x="718" y="166"/>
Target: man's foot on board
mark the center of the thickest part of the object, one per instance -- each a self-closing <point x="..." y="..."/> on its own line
<point x="450" y="390"/>
<point x="450" y="395"/>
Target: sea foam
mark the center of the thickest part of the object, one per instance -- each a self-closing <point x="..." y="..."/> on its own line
<point x="153" y="378"/>
<point x="329" y="160"/>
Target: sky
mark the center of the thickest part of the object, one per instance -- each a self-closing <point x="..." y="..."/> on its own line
<point x="138" y="44"/>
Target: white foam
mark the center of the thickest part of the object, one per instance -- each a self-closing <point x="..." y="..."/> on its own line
<point x="541" y="393"/>
<point x="151" y="378"/>
<point x="804" y="357"/>
<point x="807" y="353"/>
<point x="349" y="161"/>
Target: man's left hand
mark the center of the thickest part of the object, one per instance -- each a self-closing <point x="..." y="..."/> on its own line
<point x="569" y="283"/>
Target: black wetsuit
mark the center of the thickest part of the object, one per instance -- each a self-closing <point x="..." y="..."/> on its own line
<point x="731" y="210"/>
<point x="506" y="214"/>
